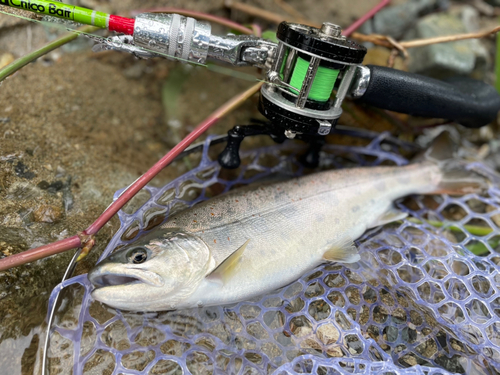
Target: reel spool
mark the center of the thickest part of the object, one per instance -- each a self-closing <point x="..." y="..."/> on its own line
<point x="311" y="74"/>
<point x="309" y="79"/>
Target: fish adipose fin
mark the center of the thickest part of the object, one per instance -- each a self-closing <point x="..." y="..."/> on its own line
<point x="228" y="267"/>
<point x="389" y="217"/>
<point x="343" y="251"/>
<point x="455" y="178"/>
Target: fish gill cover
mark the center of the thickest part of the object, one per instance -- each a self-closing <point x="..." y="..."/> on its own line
<point x="418" y="302"/>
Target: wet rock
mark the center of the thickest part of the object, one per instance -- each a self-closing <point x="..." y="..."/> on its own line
<point x="55" y="186"/>
<point x="43" y="185"/>
<point x="445" y="59"/>
<point x="395" y="20"/>
<point x="328" y="334"/>
<point x="22" y="171"/>
<point x="470" y="19"/>
<point x="13" y="237"/>
<point x="47" y="214"/>
<point x="22" y="191"/>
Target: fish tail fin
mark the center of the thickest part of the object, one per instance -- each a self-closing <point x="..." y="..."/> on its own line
<point x="454" y="178"/>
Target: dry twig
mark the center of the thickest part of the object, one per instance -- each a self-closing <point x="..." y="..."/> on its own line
<point x="380" y="40"/>
<point x="291" y="11"/>
<point x="386" y="41"/>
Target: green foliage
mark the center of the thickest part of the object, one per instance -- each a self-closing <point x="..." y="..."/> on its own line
<point x="270" y="35"/>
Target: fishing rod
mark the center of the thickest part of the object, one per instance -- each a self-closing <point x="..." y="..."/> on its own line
<point x="308" y="73"/>
<point x="74" y="13"/>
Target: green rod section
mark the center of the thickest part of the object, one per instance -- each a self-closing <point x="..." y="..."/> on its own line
<point x="25" y="60"/>
<point x="61" y="10"/>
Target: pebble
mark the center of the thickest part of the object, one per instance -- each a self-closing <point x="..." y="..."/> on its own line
<point x="47" y="214"/>
<point x="444" y="59"/>
<point x="22" y="171"/>
<point x="470" y="19"/>
<point x="394" y="21"/>
<point x="6" y="59"/>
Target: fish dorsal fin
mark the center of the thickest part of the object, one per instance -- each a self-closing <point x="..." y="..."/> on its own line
<point x="343" y="251"/>
<point x="389" y="217"/>
<point x="229" y="266"/>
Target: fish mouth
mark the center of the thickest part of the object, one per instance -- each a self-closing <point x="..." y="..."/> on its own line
<point x="113" y="275"/>
<point x="113" y="280"/>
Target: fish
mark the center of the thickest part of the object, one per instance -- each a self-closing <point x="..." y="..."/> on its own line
<point x="259" y="238"/>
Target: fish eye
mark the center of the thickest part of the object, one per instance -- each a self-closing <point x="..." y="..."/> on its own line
<point x="138" y="256"/>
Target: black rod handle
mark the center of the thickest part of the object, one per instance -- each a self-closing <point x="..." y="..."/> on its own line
<point x="467" y="101"/>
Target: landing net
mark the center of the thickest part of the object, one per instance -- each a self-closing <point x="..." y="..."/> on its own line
<point x="418" y="302"/>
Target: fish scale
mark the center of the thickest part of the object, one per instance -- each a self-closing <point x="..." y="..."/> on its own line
<point x="290" y="225"/>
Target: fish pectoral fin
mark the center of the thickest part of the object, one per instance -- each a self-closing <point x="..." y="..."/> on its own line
<point x="389" y="217"/>
<point x="343" y="251"/>
<point x="228" y="267"/>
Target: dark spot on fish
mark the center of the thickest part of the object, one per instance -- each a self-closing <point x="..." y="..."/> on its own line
<point x="355" y="208"/>
<point x="215" y="241"/>
<point x="212" y="214"/>
<point x="228" y="239"/>
<point x="237" y="200"/>
<point x="194" y="221"/>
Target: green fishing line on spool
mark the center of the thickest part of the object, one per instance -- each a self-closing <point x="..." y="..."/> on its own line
<point x="323" y="81"/>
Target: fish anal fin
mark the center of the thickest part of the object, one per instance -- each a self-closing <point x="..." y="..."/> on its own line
<point x="343" y="251"/>
<point x="229" y="266"/>
<point x="389" y="217"/>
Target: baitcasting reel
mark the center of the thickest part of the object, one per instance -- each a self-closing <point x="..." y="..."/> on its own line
<point x="309" y="73"/>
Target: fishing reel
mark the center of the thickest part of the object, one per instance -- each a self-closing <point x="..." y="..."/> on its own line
<point x="309" y="73"/>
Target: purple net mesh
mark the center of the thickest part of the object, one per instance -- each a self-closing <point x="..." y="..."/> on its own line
<point x="418" y="302"/>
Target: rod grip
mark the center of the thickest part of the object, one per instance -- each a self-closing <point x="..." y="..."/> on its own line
<point x="467" y="101"/>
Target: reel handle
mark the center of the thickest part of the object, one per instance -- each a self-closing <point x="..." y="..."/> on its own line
<point x="469" y="102"/>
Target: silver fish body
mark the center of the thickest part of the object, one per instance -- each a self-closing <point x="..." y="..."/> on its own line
<point x="256" y="239"/>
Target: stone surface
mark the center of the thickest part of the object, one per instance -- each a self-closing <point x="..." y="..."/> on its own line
<point x="444" y="59"/>
<point x="471" y="20"/>
<point x="395" y="20"/>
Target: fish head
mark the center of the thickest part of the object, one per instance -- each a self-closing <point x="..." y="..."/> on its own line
<point x="155" y="273"/>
